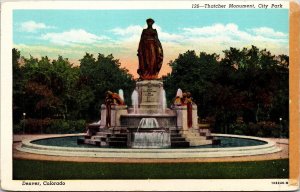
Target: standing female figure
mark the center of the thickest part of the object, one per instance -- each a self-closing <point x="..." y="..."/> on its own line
<point x="150" y="53"/>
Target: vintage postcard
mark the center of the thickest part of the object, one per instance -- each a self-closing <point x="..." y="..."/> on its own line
<point x="150" y="95"/>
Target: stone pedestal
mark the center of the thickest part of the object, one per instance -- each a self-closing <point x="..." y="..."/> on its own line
<point x="195" y="116"/>
<point x="116" y="112"/>
<point x="181" y="113"/>
<point x="149" y="96"/>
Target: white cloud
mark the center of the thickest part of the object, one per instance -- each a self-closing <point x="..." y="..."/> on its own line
<point x="131" y="30"/>
<point x="215" y="29"/>
<point x="268" y="32"/>
<point x="73" y="36"/>
<point x="168" y="37"/>
<point x="123" y="43"/>
<point x="214" y="38"/>
<point x="218" y="32"/>
<point x="32" y="26"/>
<point x="133" y="33"/>
<point x="223" y="36"/>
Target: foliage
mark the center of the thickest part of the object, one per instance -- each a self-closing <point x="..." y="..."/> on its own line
<point x="103" y="74"/>
<point x="45" y="89"/>
<point x="69" y="126"/>
<point x="248" y="83"/>
<point x="260" y="129"/>
<point x="50" y="126"/>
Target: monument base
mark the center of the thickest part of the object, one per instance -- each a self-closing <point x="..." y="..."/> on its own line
<point x="116" y="112"/>
<point x="150" y="96"/>
<point x="173" y="129"/>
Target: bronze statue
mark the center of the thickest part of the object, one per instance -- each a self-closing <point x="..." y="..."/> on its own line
<point x="108" y="102"/>
<point x="150" y="53"/>
<point x="111" y="99"/>
<point x="189" y="103"/>
<point x="186" y="100"/>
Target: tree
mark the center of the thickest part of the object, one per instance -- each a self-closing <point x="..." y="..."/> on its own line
<point x="103" y="74"/>
<point x="195" y="74"/>
<point x="18" y="85"/>
<point x="246" y="82"/>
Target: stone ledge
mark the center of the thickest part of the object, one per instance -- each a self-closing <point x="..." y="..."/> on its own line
<point x="268" y="148"/>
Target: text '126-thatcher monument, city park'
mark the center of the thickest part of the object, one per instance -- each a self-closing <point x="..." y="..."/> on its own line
<point x="148" y="123"/>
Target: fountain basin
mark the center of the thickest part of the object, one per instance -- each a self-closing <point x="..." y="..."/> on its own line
<point x="265" y="147"/>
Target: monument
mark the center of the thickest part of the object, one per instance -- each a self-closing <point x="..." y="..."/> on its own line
<point x="150" y="53"/>
<point x="148" y="123"/>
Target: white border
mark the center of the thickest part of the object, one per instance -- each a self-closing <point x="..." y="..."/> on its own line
<point x="105" y="185"/>
<point x="134" y="4"/>
<point x="161" y="185"/>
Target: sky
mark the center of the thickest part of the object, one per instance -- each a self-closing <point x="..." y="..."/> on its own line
<point x="72" y="33"/>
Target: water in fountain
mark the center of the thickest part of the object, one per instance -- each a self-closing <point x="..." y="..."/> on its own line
<point x="148" y="123"/>
<point x="96" y="123"/>
<point x="151" y="140"/>
<point x="135" y="101"/>
<point x="154" y="139"/>
<point x="163" y="100"/>
<point x="121" y="93"/>
<point x="179" y="93"/>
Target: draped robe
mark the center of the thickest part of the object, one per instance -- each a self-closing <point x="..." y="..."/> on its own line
<point x="150" y="54"/>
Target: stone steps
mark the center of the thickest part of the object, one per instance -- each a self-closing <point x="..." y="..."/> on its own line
<point x="180" y="144"/>
<point x="118" y="140"/>
<point x="179" y="138"/>
<point x="123" y="139"/>
<point x="200" y="142"/>
<point x="117" y="143"/>
<point x="204" y="126"/>
<point x="103" y="133"/>
<point x="191" y="135"/>
<point x="175" y="139"/>
<point x="198" y="136"/>
<point x="204" y="130"/>
<point x="98" y="138"/>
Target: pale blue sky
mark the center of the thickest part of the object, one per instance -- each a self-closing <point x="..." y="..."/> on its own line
<point x="71" y="33"/>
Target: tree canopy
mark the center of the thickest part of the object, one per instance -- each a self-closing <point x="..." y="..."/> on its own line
<point x="56" y="89"/>
<point x="248" y="83"/>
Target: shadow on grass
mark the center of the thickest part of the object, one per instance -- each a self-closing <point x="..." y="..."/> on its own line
<point x="42" y="170"/>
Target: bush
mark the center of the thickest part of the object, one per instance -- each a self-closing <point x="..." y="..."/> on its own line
<point x="50" y="126"/>
<point x="66" y="126"/>
<point x="33" y="125"/>
<point x="260" y="129"/>
<point x="238" y="129"/>
<point x="18" y="128"/>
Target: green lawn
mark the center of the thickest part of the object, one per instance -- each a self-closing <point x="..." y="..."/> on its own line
<point x="42" y="170"/>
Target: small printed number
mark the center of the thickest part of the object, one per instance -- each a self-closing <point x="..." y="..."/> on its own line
<point x="195" y="5"/>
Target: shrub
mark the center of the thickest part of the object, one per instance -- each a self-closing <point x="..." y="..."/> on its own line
<point x="238" y="129"/>
<point x="50" y="126"/>
<point x="66" y="126"/>
<point x="260" y="129"/>
<point x="18" y="128"/>
<point x="34" y="125"/>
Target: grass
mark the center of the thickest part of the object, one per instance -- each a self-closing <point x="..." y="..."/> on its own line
<point x="42" y="170"/>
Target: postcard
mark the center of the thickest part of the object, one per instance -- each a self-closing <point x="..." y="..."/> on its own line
<point x="150" y="95"/>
